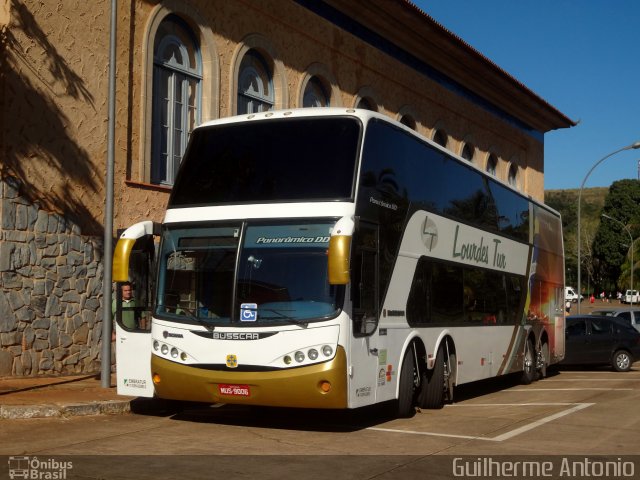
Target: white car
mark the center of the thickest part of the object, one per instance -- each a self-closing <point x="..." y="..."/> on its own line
<point x="631" y="296"/>
<point x="571" y="295"/>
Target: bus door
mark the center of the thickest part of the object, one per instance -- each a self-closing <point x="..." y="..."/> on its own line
<point x="365" y="352"/>
<point x="131" y="308"/>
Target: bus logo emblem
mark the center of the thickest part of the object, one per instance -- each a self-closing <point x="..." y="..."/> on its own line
<point x="232" y="361"/>
<point x="429" y="233"/>
<point x="248" y="312"/>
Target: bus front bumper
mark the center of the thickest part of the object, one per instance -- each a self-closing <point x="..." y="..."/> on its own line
<point x="304" y="387"/>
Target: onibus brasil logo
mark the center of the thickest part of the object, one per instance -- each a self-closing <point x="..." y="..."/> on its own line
<point x="34" y="468"/>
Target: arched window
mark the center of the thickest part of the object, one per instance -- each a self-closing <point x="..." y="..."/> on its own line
<point x="440" y="137"/>
<point x="366" y="104"/>
<point x="255" y="85"/>
<point x="512" y="179"/>
<point x="492" y="164"/>
<point x="468" y="152"/>
<point x="177" y="76"/>
<point x="409" y="121"/>
<point x="315" y="94"/>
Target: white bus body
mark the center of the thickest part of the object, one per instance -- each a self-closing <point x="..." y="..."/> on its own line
<point x="318" y="284"/>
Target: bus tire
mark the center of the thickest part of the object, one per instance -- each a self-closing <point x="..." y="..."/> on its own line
<point x="544" y="360"/>
<point x="432" y="385"/>
<point x="405" y="406"/>
<point x="450" y="378"/>
<point x="528" y="364"/>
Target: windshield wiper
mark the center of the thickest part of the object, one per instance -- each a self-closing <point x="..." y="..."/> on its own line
<point x="192" y="316"/>
<point x="282" y="316"/>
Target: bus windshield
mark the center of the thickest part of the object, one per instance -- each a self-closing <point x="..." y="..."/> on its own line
<point x="246" y="273"/>
<point x="290" y="160"/>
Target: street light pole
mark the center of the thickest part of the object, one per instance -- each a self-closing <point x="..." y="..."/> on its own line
<point x="628" y="230"/>
<point x="105" y="367"/>
<point x="633" y="146"/>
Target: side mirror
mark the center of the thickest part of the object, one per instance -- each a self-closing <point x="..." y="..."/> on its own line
<point x="339" y="251"/>
<point x="122" y="252"/>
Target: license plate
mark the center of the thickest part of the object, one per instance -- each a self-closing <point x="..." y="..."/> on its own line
<point x="234" y="390"/>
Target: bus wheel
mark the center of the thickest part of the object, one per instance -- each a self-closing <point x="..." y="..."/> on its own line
<point x="406" y="390"/>
<point x="543" y="360"/>
<point x="432" y="384"/>
<point x="528" y="364"/>
<point x="449" y="377"/>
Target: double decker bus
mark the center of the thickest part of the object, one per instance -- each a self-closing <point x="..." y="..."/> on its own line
<point x="334" y="258"/>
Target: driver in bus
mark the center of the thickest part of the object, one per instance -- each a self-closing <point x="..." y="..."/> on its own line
<point x="130" y="318"/>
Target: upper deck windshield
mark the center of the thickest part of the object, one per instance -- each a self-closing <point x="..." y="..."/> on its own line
<point x="279" y="160"/>
<point x="246" y="273"/>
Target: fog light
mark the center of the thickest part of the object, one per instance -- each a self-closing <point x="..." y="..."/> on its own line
<point x="174" y="352"/>
<point x="156" y="345"/>
<point x="299" y="356"/>
<point x="325" y="386"/>
<point x="312" y="354"/>
<point x="327" y="351"/>
<point x="287" y="359"/>
<point x="156" y="378"/>
<point x="164" y="349"/>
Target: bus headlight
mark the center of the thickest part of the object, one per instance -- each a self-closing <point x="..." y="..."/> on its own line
<point x="170" y="351"/>
<point x="308" y="355"/>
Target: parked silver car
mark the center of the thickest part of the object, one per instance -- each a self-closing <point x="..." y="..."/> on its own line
<point x="629" y="314"/>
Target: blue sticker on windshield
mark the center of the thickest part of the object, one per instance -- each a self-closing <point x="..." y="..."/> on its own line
<point x="248" y="312"/>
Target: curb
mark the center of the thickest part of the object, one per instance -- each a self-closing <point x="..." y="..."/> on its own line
<point x="109" y="407"/>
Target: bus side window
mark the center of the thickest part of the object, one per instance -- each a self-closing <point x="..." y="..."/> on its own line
<point x="141" y="266"/>
<point x="419" y="301"/>
<point x="364" y="280"/>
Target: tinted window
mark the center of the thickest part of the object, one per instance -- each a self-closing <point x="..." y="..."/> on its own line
<point x="364" y="287"/>
<point x="280" y="160"/>
<point x="445" y="293"/>
<point x="625" y="316"/>
<point x="406" y="173"/>
<point x="576" y="328"/>
<point x="601" y="326"/>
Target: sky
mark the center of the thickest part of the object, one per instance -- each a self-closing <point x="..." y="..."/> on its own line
<point x="580" y="56"/>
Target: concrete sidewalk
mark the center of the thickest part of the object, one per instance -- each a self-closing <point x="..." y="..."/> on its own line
<point x="37" y="397"/>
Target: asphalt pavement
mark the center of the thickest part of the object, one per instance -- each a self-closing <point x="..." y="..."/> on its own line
<point x="62" y="396"/>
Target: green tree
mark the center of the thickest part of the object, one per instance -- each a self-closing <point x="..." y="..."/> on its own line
<point x="611" y="245"/>
<point x="566" y="202"/>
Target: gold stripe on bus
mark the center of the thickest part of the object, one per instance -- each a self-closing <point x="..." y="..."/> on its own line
<point x="301" y="386"/>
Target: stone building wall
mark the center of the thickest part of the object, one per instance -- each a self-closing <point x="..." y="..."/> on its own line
<point x="50" y="290"/>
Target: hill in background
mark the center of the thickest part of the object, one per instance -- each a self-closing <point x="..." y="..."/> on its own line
<point x="566" y="202"/>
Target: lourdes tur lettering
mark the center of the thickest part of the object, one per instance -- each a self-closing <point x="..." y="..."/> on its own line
<point x="479" y="252"/>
